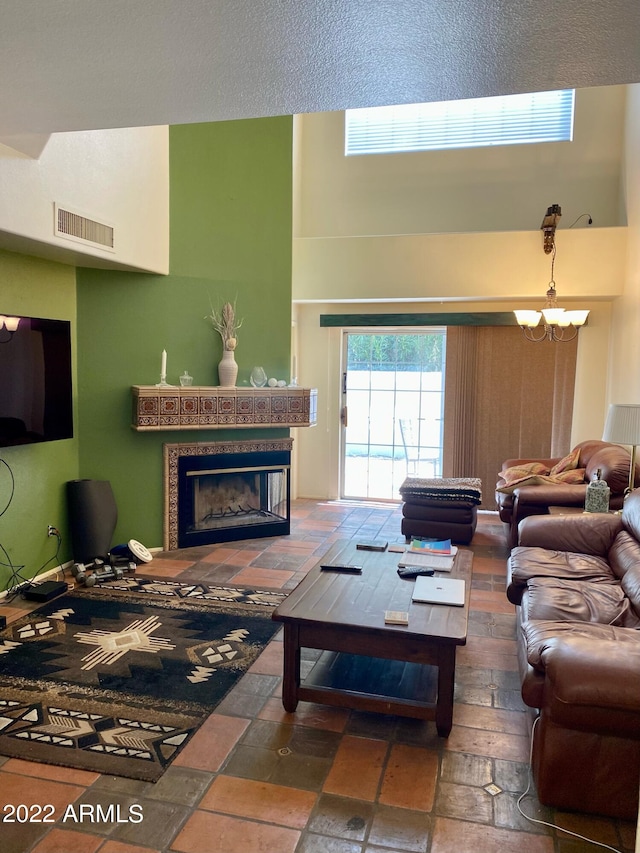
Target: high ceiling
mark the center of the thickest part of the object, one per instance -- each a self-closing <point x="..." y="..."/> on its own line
<point x="84" y="64"/>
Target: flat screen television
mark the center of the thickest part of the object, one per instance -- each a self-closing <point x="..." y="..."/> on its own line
<point x="35" y="381"/>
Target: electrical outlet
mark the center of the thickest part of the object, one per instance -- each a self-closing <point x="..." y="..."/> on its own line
<point x="51" y="530"/>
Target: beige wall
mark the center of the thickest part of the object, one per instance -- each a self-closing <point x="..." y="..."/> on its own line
<point x="407" y="234"/>
<point x="500" y="188"/>
<point x="624" y="378"/>
<point x="590" y="264"/>
<point x="320" y="366"/>
<point x="118" y="177"/>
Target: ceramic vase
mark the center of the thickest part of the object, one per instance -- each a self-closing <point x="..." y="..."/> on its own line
<point x="228" y="370"/>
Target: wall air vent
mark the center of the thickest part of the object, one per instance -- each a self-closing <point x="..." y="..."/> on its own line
<point x="75" y="226"/>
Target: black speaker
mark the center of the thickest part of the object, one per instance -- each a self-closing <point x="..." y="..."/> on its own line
<point x="92" y="518"/>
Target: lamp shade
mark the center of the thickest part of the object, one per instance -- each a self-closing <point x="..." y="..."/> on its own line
<point x="528" y="318"/>
<point x="623" y="424"/>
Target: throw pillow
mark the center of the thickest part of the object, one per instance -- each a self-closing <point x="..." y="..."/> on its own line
<point x="574" y="477"/>
<point x="567" y="463"/>
<point x="529" y="480"/>
<point x="516" y="472"/>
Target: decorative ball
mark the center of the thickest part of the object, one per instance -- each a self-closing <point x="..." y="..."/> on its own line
<point x="272" y="383"/>
<point x="281" y="383"/>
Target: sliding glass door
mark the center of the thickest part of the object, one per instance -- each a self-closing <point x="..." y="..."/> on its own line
<point x="392" y="410"/>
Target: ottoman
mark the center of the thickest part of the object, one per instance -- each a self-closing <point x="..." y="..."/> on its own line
<point x="441" y="508"/>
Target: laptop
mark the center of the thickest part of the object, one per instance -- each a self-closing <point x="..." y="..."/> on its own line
<point x="434" y="590"/>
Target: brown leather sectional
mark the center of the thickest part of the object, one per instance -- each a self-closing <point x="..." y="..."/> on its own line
<point x="576" y="582"/>
<point x="611" y="460"/>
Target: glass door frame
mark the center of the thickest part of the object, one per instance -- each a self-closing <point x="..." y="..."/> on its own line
<point x="399" y="462"/>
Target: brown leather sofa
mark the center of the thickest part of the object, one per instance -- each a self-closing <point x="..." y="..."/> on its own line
<point x="517" y="503"/>
<point x="575" y="581"/>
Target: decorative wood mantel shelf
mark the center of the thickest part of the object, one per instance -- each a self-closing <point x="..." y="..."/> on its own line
<point x="200" y="407"/>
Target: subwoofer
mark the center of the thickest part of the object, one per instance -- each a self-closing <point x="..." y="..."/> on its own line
<point x="92" y="518"/>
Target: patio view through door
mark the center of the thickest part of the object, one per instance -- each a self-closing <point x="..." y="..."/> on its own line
<point x="392" y="410"/>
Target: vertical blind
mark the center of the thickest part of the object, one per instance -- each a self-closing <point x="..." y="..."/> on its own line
<point x="503" y="120"/>
<point x="505" y="398"/>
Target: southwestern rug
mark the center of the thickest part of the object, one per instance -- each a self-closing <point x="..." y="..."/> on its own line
<point x="117" y="678"/>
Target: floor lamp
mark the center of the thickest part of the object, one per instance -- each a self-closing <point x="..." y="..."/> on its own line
<point x="623" y="427"/>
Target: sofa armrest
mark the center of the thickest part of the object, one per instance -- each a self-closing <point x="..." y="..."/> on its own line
<point x="588" y="533"/>
<point x="593" y="684"/>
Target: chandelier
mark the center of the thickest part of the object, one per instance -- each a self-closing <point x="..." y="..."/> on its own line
<point x="558" y="325"/>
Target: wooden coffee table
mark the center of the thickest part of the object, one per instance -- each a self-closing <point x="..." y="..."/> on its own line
<point x="366" y="664"/>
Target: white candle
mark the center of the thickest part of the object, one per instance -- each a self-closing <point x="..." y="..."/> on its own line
<point x="163" y="369"/>
<point x="293" y="371"/>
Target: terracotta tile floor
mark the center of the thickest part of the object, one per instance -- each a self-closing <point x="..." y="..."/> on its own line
<point x="255" y="779"/>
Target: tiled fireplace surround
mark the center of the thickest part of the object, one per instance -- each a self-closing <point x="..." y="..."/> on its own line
<point x="225" y="491"/>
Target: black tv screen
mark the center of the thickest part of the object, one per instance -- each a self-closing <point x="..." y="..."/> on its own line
<point x="35" y="380"/>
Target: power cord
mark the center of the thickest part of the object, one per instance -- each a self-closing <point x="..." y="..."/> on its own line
<point x="544" y="822"/>
<point x="582" y="215"/>
<point x="17" y="584"/>
<point x="13" y="487"/>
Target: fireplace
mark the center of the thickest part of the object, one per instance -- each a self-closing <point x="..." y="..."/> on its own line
<point x="225" y="491"/>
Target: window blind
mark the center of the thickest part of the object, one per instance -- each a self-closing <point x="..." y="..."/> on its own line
<point x="504" y="120"/>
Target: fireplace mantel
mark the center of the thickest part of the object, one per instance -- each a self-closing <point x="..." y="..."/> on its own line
<point x="200" y="407"/>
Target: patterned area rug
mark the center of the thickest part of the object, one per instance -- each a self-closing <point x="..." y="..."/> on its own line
<point x="117" y="678"/>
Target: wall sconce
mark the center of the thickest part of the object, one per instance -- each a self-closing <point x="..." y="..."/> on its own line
<point x="558" y="325"/>
<point x="10" y="324"/>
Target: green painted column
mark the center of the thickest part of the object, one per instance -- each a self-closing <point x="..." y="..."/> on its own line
<point x="230" y="203"/>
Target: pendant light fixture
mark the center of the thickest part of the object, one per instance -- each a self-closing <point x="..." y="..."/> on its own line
<point x="558" y="325"/>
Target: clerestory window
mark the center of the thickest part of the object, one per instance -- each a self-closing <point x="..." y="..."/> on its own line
<point x="474" y="123"/>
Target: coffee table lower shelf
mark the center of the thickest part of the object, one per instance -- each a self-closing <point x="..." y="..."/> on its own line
<point x="372" y="684"/>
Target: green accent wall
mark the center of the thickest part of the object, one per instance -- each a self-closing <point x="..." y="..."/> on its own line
<point x="35" y="288"/>
<point x="230" y="203"/>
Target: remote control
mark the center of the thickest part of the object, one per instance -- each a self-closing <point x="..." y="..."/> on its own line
<point x="414" y="571"/>
<point x="346" y="567"/>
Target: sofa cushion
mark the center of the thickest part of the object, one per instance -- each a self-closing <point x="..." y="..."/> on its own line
<point x="540" y="634"/>
<point x="581" y="533"/>
<point x="613" y="462"/>
<point x="593" y="672"/>
<point x="624" y="557"/>
<point x="578" y="601"/>
<point x="588" y="448"/>
<point x="631" y="514"/>
<point x="527" y="480"/>
<point x="528" y="563"/>
<point x="572" y="475"/>
<point x="567" y="463"/>
<point x="516" y="472"/>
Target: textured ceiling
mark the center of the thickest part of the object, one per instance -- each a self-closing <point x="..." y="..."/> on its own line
<point x="80" y="64"/>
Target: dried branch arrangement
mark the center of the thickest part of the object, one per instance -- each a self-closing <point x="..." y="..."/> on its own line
<point x="224" y="321"/>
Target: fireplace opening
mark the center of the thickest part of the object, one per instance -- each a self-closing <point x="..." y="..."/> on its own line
<point x="237" y="498"/>
<point x="226" y="492"/>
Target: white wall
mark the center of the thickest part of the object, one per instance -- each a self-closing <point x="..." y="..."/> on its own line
<point x="119" y="177"/>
